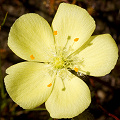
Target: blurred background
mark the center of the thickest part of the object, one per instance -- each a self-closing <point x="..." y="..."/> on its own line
<point x="105" y="90"/>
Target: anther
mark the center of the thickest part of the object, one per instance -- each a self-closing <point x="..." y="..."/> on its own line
<point x="49" y="85"/>
<point x="76" y="69"/>
<point x="76" y="39"/>
<point x="55" y="32"/>
<point x="32" y="57"/>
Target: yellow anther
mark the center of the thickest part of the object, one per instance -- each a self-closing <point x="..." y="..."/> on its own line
<point x="76" y="69"/>
<point x="49" y="85"/>
<point x="32" y="57"/>
<point x="76" y="39"/>
<point x="55" y="32"/>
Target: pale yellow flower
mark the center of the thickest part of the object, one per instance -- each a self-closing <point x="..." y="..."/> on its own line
<point x="50" y="53"/>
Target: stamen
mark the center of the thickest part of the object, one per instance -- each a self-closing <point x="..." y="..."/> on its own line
<point x="32" y="57"/>
<point x="55" y="32"/>
<point x="49" y="85"/>
<point x="76" y="69"/>
<point x="76" y="39"/>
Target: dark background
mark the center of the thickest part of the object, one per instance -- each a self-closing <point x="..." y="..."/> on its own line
<point x="105" y="91"/>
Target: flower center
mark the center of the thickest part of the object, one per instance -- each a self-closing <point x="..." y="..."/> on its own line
<point x="58" y="62"/>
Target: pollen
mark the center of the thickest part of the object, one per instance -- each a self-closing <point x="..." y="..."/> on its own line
<point x="49" y="85"/>
<point x="55" y="32"/>
<point x="32" y="57"/>
<point x="76" y="69"/>
<point x="76" y="39"/>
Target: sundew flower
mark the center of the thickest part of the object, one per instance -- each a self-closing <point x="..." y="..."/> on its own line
<point x="50" y="52"/>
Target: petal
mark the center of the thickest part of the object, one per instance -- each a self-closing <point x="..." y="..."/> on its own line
<point x="27" y="84"/>
<point x="31" y="38"/>
<point x="99" y="55"/>
<point x="71" y="101"/>
<point x="74" y="26"/>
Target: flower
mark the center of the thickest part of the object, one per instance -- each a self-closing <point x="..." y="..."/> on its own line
<point x="49" y="53"/>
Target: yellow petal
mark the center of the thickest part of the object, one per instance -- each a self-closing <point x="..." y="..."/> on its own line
<point x="26" y="83"/>
<point x="74" y="26"/>
<point x="31" y="35"/>
<point x="68" y="102"/>
<point x="99" y="55"/>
